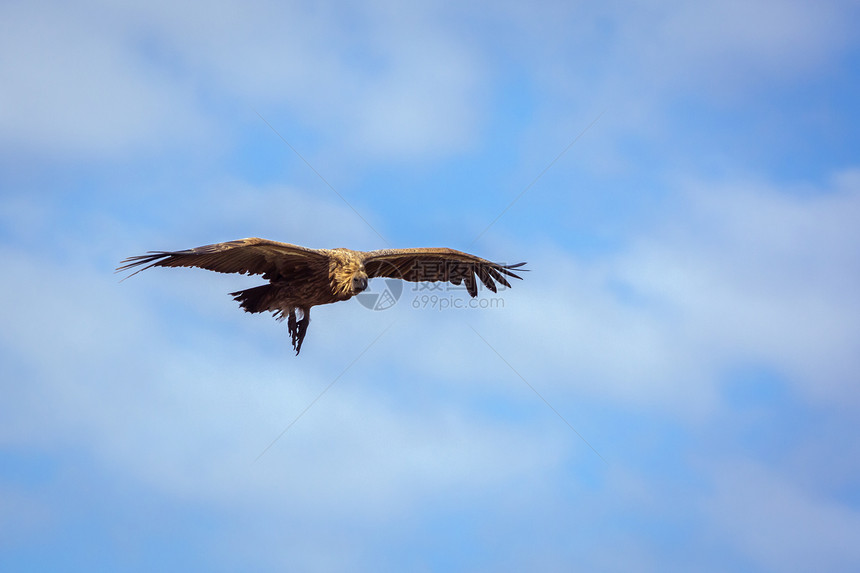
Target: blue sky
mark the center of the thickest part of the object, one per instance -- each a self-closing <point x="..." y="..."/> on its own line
<point x="691" y="309"/>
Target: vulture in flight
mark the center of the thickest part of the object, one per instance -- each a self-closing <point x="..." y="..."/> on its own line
<point x="300" y="278"/>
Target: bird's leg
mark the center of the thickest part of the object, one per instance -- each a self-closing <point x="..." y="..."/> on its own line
<point x="291" y="327"/>
<point x="298" y="328"/>
<point x="302" y="329"/>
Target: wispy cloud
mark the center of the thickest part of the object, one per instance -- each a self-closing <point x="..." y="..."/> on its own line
<point x="779" y="525"/>
<point x="691" y="305"/>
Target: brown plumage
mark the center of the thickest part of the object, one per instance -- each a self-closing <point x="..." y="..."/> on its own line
<point x="300" y="278"/>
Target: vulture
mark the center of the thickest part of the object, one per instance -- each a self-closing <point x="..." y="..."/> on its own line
<point x="300" y="278"/>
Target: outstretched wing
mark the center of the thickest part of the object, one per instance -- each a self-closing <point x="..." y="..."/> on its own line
<point x="273" y="260"/>
<point x="418" y="265"/>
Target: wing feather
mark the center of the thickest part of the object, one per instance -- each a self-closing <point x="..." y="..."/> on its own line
<point x="273" y="260"/>
<point x="438" y="264"/>
<point x="498" y="276"/>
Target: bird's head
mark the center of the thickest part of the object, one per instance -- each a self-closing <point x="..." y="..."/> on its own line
<point x="347" y="273"/>
<point x="359" y="281"/>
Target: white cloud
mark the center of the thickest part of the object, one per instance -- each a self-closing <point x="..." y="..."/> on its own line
<point x="388" y="81"/>
<point x="755" y="274"/>
<point x="780" y="526"/>
<point x="101" y="78"/>
<point x="659" y="46"/>
<point x="672" y="78"/>
<point x="75" y="83"/>
<point x="185" y="408"/>
<point x="735" y="274"/>
<point x="172" y="389"/>
<point x="383" y="81"/>
<point x="162" y="385"/>
<point x="735" y="42"/>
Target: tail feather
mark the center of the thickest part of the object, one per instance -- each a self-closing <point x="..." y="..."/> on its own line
<point x="255" y="299"/>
